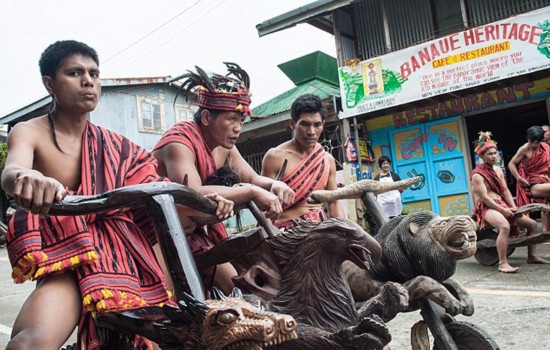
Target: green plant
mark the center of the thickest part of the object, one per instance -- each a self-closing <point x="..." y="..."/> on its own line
<point x="3" y="154"/>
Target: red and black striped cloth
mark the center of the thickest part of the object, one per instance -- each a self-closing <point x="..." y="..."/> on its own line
<point x="309" y="175"/>
<point x="496" y="185"/>
<point x="535" y="171"/>
<point x="111" y="253"/>
<point x="225" y="101"/>
<point x="189" y="135"/>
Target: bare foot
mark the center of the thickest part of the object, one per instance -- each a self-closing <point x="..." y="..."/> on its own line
<point x="506" y="268"/>
<point x="537" y="260"/>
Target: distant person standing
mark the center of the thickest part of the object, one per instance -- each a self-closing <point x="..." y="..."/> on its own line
<point x="390" y="201"/>
<point x="545" y="216"/>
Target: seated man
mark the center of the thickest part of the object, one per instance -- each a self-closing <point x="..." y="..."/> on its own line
<point x="309" y="166"/>
<point x="87" y="264"/>
<point x="494" y="202"/>
<point x="196" y="150"/>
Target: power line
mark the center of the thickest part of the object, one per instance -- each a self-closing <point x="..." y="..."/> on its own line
<point x="151" y="32"/>
<point x="209" y="11"/>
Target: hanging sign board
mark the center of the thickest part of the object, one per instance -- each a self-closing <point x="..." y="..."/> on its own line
<point x="496" y="51"/>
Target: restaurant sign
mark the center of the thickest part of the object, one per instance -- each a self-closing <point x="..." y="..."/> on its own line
<point x="496" y="51"/>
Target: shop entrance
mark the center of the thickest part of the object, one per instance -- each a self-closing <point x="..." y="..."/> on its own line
<point x="508" y="127"/>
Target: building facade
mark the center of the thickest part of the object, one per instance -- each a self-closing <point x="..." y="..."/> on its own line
<point x="419" y="79"/>
<point x="141" y="109"/>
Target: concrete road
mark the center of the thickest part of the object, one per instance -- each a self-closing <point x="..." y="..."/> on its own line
<point x="513" y="308"/>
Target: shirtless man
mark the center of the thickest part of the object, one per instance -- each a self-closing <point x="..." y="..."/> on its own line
<point x="309" y="166"/>
<point x="529" y="167"/>
<point x="84" y="264"/>
<point x="494" y="203"/>
<point x="197" y="151"/>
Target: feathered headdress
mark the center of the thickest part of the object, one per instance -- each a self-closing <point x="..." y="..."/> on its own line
<point x="228" y="92"/>
<point x="484" y="142"/>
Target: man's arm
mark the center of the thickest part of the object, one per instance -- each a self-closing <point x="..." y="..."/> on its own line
<point x="179" y="161"/>
<point x="30" y="188"/>
<point x="334" y="208"/>
<point x="481" y="193"/>
<point x="514" y="163"/>
<point x="279" y="188"/>
<point x="271" y="163"/>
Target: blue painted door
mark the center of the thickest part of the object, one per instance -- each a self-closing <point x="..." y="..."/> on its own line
<point x="434" y="152"/>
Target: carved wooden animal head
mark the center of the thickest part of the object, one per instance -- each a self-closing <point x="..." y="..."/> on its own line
<point x="424" y="243"/>
<point x="334" y="240"/>
<point x="227" y="324"/>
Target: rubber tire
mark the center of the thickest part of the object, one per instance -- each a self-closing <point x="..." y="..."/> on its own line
<point x="489" y="256"/>
<point x="469" y="336"/>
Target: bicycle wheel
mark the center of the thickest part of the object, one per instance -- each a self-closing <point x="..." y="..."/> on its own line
<point x="468" y="336"/>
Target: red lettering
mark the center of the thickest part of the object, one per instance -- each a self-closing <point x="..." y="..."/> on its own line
<point x="420" y="112"/>
<point x="443" y="46"/>
<point x="514" y="32"/>
<point x="454" y="41"/>
<point x="450" y="144"/>
<point x="444" y="110"/>
<point x="535" y="33"/>
<point x="487" y="100"/>
<point x="424" y="56"/>
<point x="479" y="35"/>
<point x="457" y="106"/>
<point x="415" y="65"/>
<point x="525" y="89"/>
<point x="433" y="110"/>
<point x="409" y="151"/>
<point x="524" y="32"/>
<point x="506" y="95"/>
<point x="405" y="70"/>
<point x="469" y="37"/>
<point x="471" y="103"/>
<point x="398" y="120"/>
<point x="411" y="117"/>
<point x="490" y="32"/>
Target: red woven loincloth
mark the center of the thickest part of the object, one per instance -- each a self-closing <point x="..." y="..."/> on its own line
<point x="113" y="258"/>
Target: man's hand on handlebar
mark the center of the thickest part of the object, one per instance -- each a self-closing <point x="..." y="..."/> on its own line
<point x="224" y="206"/>
<point x="283" y="192"/>
<point x="35" y="192"/>
<point x="268" y="202"/>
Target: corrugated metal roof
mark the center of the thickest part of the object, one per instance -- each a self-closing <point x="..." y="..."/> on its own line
<point x="301" y="14"/>
<point x="283" y="102"/>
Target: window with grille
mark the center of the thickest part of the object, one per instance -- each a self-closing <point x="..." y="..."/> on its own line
<point x="150" y="115"/>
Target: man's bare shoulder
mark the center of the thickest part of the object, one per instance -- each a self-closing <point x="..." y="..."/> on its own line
<point x="30" y="128"/>
<point x="523" y="149"/>
<point x="279" y="152"/>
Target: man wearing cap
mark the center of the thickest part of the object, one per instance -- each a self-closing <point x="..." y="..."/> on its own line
<point x="197" y="150"/>
<point x="494" y="202"/>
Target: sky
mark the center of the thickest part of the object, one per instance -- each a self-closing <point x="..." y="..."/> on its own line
<point x="136" y="38"/>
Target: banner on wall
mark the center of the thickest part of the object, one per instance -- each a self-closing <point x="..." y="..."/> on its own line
<point x="496" y="51"/>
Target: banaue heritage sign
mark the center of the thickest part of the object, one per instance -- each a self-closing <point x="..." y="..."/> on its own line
<point x="496" y="51"/>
